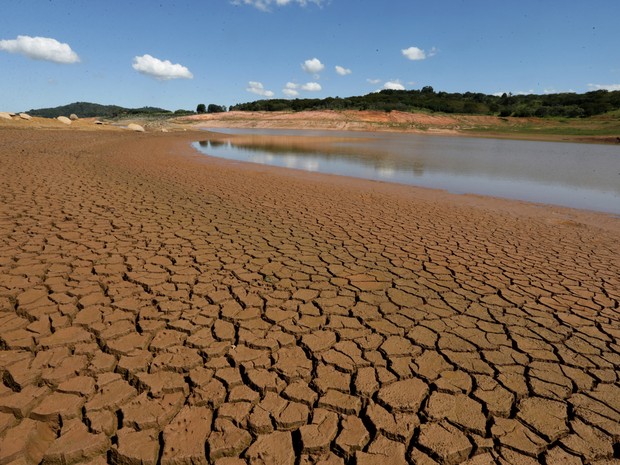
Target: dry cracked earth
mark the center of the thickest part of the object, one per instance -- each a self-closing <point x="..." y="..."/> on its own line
<point x="158" y="307"/>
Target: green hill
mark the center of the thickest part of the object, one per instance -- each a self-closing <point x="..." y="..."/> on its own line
<point x="89" y="110"/>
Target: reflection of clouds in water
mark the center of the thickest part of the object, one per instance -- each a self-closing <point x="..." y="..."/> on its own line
<point x="386" y="171"/>
<point x="260" y="159"/>
<point x="311" y="165"/>
<point x="265" y="159"/>
<point x="290" y="161"/>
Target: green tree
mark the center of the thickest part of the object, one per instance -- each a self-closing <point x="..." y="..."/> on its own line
<point x="201" y="108"/>
<point x="216" y="108"/>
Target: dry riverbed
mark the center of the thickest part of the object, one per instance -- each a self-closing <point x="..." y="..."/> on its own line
<point x="162" y="307"/>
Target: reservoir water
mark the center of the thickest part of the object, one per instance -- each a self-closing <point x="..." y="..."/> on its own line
<point x="585" y="176"/>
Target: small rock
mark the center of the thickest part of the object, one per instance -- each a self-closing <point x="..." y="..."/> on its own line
<point x="135" y="127"/>
<point x="5" y="115"/>
<point x="64" y="119"/>
<point x="73" y="117"/>
<point x="25" y="116"/>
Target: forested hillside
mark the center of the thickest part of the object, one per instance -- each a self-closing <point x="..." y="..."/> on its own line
<point x="565" y="104"/>
<point x="89" y="110"/>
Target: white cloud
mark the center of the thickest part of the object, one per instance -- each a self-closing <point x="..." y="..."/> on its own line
<point x="311" y="87"/>
<point x="290" y="89"/>
<point x="393" y="85"/>
<point x="40" y="48"/>
<point x="313" y="66"/>
<point x="373" y="81"/>
<point x="160" y="70"/>
<point x="414" y="53"/>
<point x="342" y="71"/>
<point x="610" y="87"/>
<point x="258" y="89"/>
<point x="265" y="5"/>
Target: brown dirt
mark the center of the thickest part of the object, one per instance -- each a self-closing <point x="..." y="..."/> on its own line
<point x="157" y="305"/>
<point x="337" y="120"/>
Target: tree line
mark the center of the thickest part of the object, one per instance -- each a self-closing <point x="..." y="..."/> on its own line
<point x="89" y="110"/>
<point x="567" y="104"/>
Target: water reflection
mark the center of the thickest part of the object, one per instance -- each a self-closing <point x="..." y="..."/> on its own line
<point x="575" y="175"/>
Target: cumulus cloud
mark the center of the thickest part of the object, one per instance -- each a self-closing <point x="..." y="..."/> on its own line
<point x="265" y="5"/>
<point x="290" y="89"/>
<point x="40" y="48"/>
<point x="414" y="53"/>
<point x="160" y="70"/>
<point x="610" y="87"/>
<point x="311" y="87"/>
<point x="258" y="89"/>
<point x="393" y="85"/>
<point x="313" y="66"/>
<point x="342" y="71"/>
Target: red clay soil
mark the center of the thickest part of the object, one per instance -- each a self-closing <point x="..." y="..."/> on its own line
<point x="162" y="307"/>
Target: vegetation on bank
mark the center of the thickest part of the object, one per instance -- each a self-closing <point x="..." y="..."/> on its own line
<point x="568" y="105"/>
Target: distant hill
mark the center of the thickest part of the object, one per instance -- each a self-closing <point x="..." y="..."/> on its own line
<point x="559" y="105"/>
<point x="89" y="110"/>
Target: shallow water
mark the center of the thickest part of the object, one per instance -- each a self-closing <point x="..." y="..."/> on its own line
<point x="583" y="176"/>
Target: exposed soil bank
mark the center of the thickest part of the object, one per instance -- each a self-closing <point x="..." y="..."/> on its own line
<point x="576" y="130"/>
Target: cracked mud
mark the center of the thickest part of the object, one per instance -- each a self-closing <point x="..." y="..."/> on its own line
<point x="159" y="307"/>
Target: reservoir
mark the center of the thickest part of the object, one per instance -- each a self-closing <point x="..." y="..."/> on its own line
<point x="585" y="176"/>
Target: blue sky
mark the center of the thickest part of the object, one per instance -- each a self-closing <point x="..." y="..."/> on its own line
<point x="176" y="54"/>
